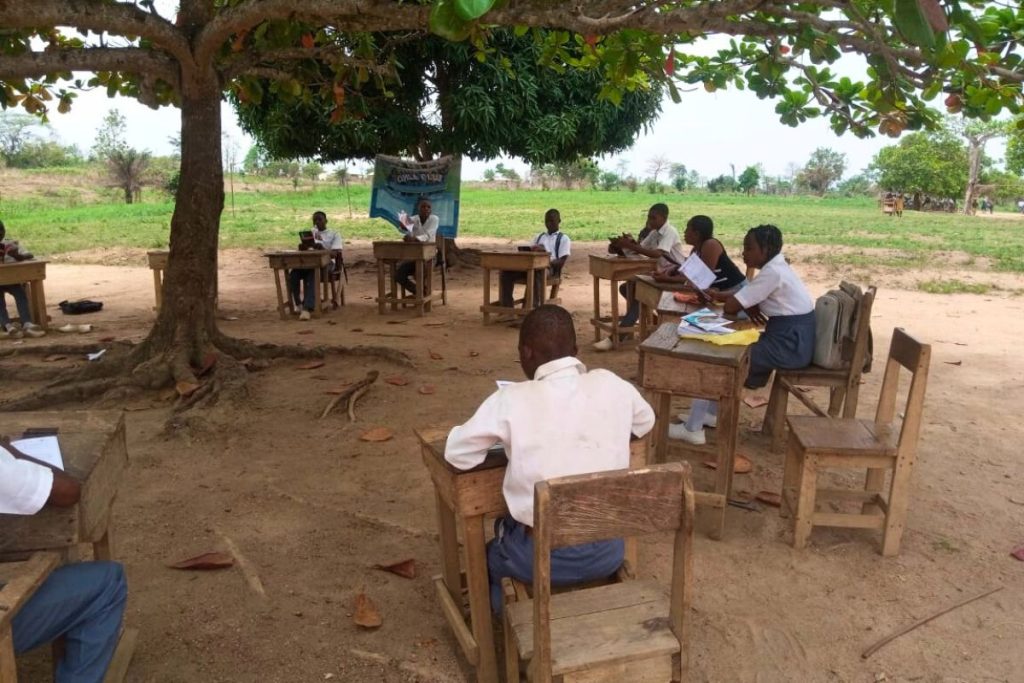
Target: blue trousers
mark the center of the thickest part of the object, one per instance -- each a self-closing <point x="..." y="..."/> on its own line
<point x="306" y="276"/>
<point x="20" y="300"/>
<point x="628" y="291"/>
<point x="511" y="554"/>
<point x="84" y="603"/>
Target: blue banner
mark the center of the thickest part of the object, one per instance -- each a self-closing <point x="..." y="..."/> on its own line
<point x="400" y="184"/>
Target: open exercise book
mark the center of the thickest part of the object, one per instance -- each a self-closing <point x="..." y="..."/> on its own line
<point x="697" y="272"/>
<point x="43" y="448"/>
<point x="705" y="321"/>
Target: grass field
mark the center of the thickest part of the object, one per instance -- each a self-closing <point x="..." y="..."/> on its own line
<point x="271" y="215"/>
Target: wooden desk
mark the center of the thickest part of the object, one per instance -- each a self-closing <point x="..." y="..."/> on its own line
<point x="93" y="445"/>
<point x="158" y="264"/>
<point x="389" y="255"/>
<point x="528" y="262"/>
<point x="469" y="496"/>
<point x="689" y="367"/>
<point x="283" y="261"/>
<point x="649" y="293"/>
<point x="615" y="269"/>
<point x="31" y="274"/>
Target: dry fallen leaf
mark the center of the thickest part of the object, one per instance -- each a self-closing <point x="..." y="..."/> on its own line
<point x="377" y="434"/>
<point x="209" y="360"/>
<point x="474" y="354"/>
<point x="107" y="339"/>
<point x="396" y="380"/>
<point x="356" y="329"/>
<point x="435" y="355"/>
<point x="186" y="389"/>
<point x="214" y="560"/>
<point x="366" y="615"/>
<point x="312" y="365"/>
<point x="406" y="568"/>
<point x="340" y="390"/>
<point x="755" y="401"/>
<point x="52" y="358"/>
<point x="769" y="498"/>
<point x="741" y="465"/>
<point x="304" y="332"/>
<point x="427" y="389"/>
<point x="437" y="324"/>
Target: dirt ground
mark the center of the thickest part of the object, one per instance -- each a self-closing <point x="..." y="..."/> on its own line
<point x="308" y="508"/>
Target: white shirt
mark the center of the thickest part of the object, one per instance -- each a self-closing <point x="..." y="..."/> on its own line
<point x="24" y="486"/>
<point x="564" y="421"/>
<point x="665" y="239"/>
<point x="777" y="290"/>
<point x="424" y="232"/>
<point x="551" y="244"/>
<point x="328" y="238"/>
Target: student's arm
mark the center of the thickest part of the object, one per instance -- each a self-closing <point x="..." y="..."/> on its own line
<point x="65" y="492"/>
<point x="710" y="252"/>
<point x="468" y="443"/>
<point x="748" y="298"/>
<point x="643" y="414"/>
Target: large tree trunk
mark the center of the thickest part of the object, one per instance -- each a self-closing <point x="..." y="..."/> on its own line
<point x="974" y="150"/>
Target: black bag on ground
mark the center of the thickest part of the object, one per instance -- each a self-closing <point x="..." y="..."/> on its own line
<point x="80" y="306"/>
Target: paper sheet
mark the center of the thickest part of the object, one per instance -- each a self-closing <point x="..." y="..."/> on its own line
<point x="697" y="272"/>
<point x="45" y="448"/>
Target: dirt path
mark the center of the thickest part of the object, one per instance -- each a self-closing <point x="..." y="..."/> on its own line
<point x="312" y="508"/>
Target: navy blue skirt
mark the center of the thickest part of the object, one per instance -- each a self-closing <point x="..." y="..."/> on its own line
<point x="786" y="344"/>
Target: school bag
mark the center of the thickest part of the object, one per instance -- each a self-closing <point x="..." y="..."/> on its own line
<point x="835" y="324"/>
<point x="79" y="307"/>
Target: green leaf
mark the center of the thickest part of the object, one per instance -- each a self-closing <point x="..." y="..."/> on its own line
<point x="471" y="10"/>
<point x="446" y="22"/>
<point x="912" y="23"/>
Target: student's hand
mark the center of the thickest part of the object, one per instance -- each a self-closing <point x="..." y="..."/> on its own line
<point x="303" y="246"/>
<point x="715" y="295"/>
<point x="409" y="238"/>
<point x="668" y="277"/>
<point x="756" y="316"/>
<point x="537" y="247"/>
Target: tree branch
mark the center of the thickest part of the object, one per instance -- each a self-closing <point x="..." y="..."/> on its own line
<point x="115" y="18"/>
<point x="262" y="60"/>
<point x="130" y="59"/>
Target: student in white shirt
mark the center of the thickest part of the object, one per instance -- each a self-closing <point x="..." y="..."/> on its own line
<point x="775" y="296"/>
<point x="422" y="228"/>
<point x="661" y="242"/>
<point x="82" y="602"/>
<point x="322" y="239"/>
<point x="554" y="242"/>
<point x="564" y="420"/>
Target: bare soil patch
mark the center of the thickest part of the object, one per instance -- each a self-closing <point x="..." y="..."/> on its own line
<point x="313" y="509"/>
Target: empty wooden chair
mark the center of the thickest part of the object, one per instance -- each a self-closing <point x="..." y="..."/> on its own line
<point x="843" y="383"/>
<point x="629" y="631"/>
<point x="333" y="280"/>
<point x="875" y="446"/>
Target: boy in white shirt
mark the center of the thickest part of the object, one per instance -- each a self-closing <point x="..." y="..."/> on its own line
<point x="661" y="242"/>
<point x="563" y="421"/>
<point x="422" y="228"/>
<point x="82" y="602"/>
<point x="555" y="243"/>
<point x="322" y="239"/>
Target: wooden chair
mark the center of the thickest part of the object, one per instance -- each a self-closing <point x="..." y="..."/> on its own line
<point x="333" y="281"/>
<point x="629" y="631"/>
<point x="843" y="383"/>
<point x="873" y="445"/>
<point x="554" y="281"/>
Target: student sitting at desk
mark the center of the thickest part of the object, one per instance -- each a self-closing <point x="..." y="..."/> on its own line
<point x="564" y="420"/>
<point x="554" y="242"/>
<point x="11" y="252"/>
<point x="777" y="296"/>
<point x="699" y="235"/>
<point x="82" y="602"/>
<point x="321" y="238"/>
<point x="659" y="240"/>
<point x="421" y="228"/>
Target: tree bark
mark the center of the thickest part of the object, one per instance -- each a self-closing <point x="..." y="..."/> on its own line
<point x="974" y="149"/>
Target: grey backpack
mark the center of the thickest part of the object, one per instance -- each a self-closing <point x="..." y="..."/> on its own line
<point x="835" y="325"/>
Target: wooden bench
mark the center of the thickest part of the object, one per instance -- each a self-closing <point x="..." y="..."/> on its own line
<point x="389" y="254"/>
<point x="283" y="261"/>
<point x="528" y="262"/>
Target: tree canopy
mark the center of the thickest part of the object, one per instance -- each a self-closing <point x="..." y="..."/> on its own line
<point x="924" y="163"/>
<point x="823" y="169"/>
<point x="446" y="100"/>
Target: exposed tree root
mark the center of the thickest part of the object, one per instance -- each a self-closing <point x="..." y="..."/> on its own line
<point x="351" y="395"/>
<point x="202" y="373"/>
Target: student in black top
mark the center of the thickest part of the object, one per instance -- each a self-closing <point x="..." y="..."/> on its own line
<point x="699" y="231"/>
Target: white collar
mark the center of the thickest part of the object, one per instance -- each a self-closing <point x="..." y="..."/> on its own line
<point x="559" y="366"/>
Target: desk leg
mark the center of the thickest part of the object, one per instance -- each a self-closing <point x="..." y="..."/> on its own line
<point x="728" y="425"/>
<point x="597" y="309"/>
<point x="487" y="295"/>
<point x="662" y="417"/>
<point x="528" y="301"/>
<point x="37" y="302"/>
<point x="395" y="289"/>
<point x="158" y="287"/>
<point x="544" y="285"/>
<point x="8" y="669"/>
<point x="480" y="599"/>
<point x="103" y="549"/>
<point x="380" y="287"/>
<point x="278" y="273"/>
<point x="615" y="312"/>
<point x="318" y="304"/>
<point x="449" y="549"/>
<point x="428" y="285"/>
<point x="421" y="290"/>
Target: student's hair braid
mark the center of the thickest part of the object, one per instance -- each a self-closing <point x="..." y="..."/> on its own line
<point x="769" y="238"/>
